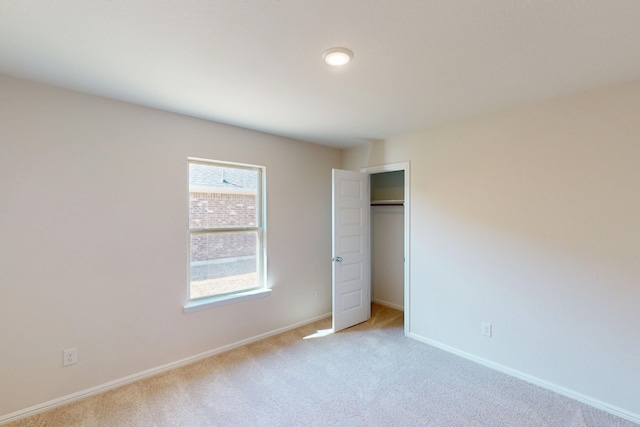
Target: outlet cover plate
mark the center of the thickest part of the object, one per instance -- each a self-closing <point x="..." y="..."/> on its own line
<point x="485" y="329"/>
<point x="70" y="356"/>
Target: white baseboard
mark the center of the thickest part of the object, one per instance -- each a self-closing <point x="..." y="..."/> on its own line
<point x="587" y="400"/>
<point x="389" y="304"/>
<point x="64" y="400"/>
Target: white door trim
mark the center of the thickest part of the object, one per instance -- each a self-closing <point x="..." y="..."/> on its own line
<point x="406" y="167"/>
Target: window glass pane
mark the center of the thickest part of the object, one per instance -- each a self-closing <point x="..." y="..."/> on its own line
<point x="223" y="262"/>
<point x="226" y="227"/>
<point x="222" y="197"/>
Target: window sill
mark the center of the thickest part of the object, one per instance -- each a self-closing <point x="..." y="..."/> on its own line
<point x="206" y="303"/>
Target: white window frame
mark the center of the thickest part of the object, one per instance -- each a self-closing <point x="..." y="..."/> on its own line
<point x="196" y="304"/>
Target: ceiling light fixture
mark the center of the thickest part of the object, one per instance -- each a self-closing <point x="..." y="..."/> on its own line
<point x="337" y="56"/>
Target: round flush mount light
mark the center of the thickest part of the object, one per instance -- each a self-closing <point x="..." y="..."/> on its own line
<point x="337" y="56"/>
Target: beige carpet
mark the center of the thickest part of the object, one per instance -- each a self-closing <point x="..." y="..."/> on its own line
<point x="368" y="375"/>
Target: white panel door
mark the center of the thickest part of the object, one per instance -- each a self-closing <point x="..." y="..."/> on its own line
<point x="351" y="249"/>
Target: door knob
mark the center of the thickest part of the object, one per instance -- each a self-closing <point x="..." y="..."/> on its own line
<point x="337" y="259"/>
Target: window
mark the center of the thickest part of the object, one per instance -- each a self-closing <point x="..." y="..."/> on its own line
<point x="226" y="231"/>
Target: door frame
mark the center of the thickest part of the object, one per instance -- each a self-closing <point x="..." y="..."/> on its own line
<point x="406" y="167"/>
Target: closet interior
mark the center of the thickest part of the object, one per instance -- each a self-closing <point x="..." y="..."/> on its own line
<point x="387" y="238"/>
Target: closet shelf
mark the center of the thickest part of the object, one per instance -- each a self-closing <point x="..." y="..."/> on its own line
<point x="387" y="203"/>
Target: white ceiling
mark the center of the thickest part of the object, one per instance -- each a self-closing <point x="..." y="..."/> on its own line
<point x="258" y="63"/>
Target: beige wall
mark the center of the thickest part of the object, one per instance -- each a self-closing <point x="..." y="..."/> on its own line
<point x="387" y="255"/>
<point x="530" y="220"/>
<point x="93" y="249"/>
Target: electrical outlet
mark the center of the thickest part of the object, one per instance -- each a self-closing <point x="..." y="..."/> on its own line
<point x="70" y="356"/>
<point x="485" y="329"/>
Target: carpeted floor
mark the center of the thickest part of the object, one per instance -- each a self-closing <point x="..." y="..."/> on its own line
<point x="367" y="375"/>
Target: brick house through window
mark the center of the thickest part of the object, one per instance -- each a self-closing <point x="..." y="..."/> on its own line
<point x="226" y="228"/>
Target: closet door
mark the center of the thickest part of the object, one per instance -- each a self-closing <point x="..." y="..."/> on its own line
<point x="351" y="254"/>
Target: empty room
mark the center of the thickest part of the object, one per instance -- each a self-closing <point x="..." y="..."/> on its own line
<point x="337" y="212"/>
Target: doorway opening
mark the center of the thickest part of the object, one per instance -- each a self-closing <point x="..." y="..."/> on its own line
<point x="389" y="189"/>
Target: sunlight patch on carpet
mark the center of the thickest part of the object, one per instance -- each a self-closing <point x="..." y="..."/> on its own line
<point x="321" y="333"/>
